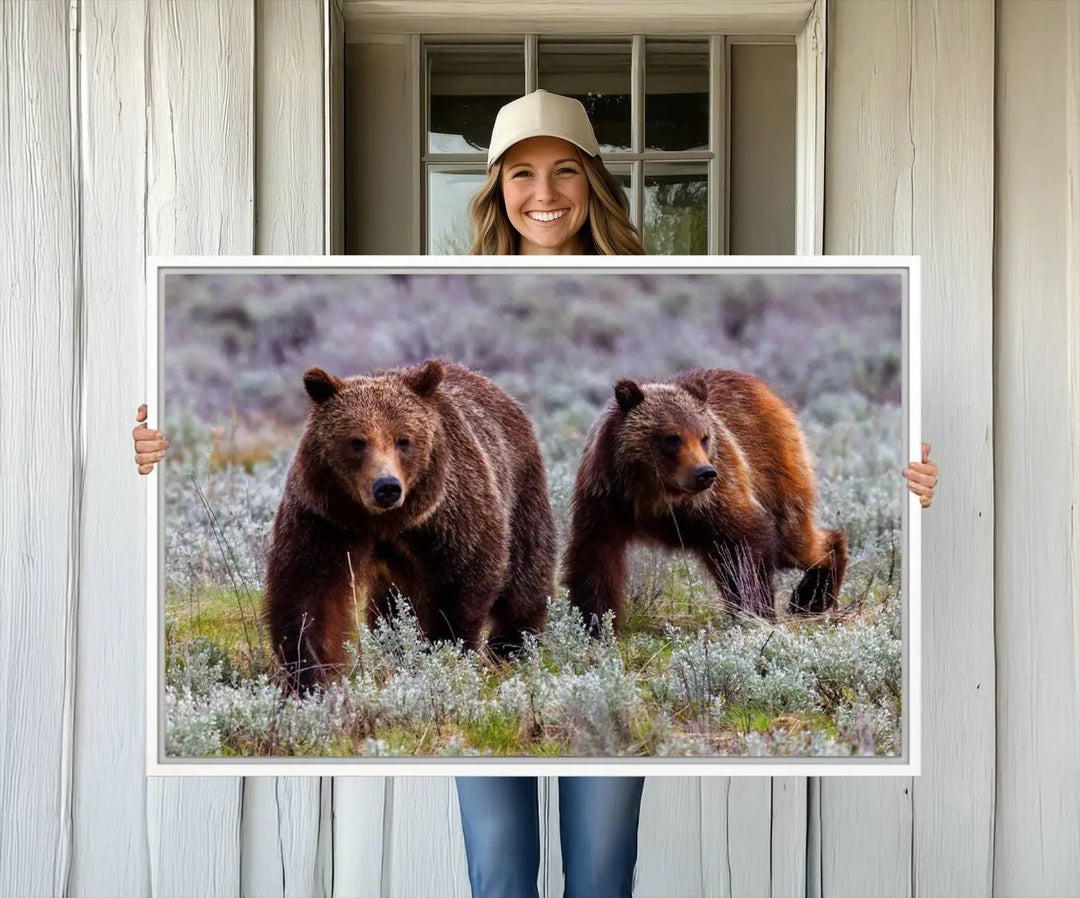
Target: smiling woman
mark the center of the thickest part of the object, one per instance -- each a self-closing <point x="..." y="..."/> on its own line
<point x="546" y="196"/>
<point x="547" y="191"/>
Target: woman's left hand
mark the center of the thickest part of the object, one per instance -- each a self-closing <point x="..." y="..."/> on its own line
<point x="922" y="477"/>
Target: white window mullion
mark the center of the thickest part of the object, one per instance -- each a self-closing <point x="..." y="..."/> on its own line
<point x="810" y="134"/>
<point x="532" y="62"/>
<point x="718" y="142"/>
<point x="637" y="129"/>
<point x="420" y="90"/>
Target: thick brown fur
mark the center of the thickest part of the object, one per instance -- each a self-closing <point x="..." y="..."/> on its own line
<point x="470" y="535"/>
<point x="645" y="476"/>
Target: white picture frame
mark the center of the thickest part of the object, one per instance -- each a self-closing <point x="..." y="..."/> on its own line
<point x="907" y="764"/>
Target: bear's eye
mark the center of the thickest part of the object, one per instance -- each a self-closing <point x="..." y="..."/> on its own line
<point x="358" y="445"/>
<point x="672" y="441"/>
<point x="403" y="444"/>
<point x="705" y="440"/>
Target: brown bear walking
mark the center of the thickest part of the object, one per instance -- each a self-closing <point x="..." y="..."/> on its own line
<point x="713" y="462"/>
<point x="425" y="482"/>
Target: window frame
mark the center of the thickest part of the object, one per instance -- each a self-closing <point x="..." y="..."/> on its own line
<point x="809" y="40"/>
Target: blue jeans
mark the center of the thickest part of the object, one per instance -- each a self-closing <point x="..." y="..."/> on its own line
<point x="598" y="823"/>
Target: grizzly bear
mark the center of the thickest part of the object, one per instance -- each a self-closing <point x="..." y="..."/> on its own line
<point x="424" y="482"/>
<point x="711" y="462"/>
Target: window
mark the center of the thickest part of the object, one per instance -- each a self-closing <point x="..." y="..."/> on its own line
<point x="717" y="139"/>
<point x="662" y="109"/>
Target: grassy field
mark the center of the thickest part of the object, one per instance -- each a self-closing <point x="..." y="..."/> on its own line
<point x="684" y="677"/>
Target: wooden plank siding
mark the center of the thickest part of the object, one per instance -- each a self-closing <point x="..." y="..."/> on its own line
<point x="110" y="850"/>
<point x="200" y="201"/>
<point x="909" y="150"/>
<point x="41" y="430"/>
<point x="952" y="132"/>
<point x="286" y="844"/>
<point x="1037" y="476"/>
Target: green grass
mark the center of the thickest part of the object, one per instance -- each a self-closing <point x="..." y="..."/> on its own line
<point x="219" y="637"/>
<point x="497" y="732"/>
<point x="223" y="619"/>
<point x="219" y="615"/>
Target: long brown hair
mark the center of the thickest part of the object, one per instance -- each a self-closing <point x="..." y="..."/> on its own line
<point x="607" y="230"/>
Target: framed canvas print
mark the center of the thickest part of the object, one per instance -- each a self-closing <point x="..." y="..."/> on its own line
<point x="588" y="515"/>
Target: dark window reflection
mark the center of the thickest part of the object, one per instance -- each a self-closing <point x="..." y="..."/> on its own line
<point x="467" y="85"/>
<point x="676" y="95"/>
<point x="598" y="74"/>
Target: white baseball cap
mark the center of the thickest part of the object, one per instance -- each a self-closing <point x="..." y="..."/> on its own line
<point x="541" y="114"/>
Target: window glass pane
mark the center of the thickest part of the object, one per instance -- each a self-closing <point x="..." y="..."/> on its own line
<point x="467" y="84"/>
<point x="449" y="226"/>
<point x="625" y="177"/>
<point x="598" y="74"/>
<point x="677" y="95"/>
<point x="676" y="209"/>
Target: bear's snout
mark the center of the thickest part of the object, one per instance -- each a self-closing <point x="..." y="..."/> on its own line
<point x="387" y="491"/>
<point x="704" y="477"/>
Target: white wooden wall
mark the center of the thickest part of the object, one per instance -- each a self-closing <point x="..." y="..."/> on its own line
<point x="1037" y="450"/>
<point x="199" y="128"/>
<point x="909" y="169"/>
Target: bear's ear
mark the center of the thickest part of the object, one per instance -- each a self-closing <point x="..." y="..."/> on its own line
<point x="424" y="381"/>
<point x="320" y="385"/>
<point x="697" y="387"/>
<point x="628" y="394"/>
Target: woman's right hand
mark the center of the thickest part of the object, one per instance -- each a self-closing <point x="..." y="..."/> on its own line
<point x="150" y="444"/>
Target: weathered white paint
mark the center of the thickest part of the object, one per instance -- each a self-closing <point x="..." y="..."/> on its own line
<point x="736" y="831"/>
<point x="281" y="824"/>
<point x="361" y="807"/>
<point x="424" y="813"/>
<point x="110" y="854"/>
<point x="952" y="116"/>
<point x="40" y="478"/>
<point x="672" y="847"/>
<point x="560" y="16"/>
<point x="909" y="148"/>
<point x="280" y="831"/>
<point x="868" y="210"/>
<point x="1037" y="832"/>
<point x="289" y="130"/>
<point x="200" y="197"/>
<point x="788" y="847"/>
<point x="712" y="837"/>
